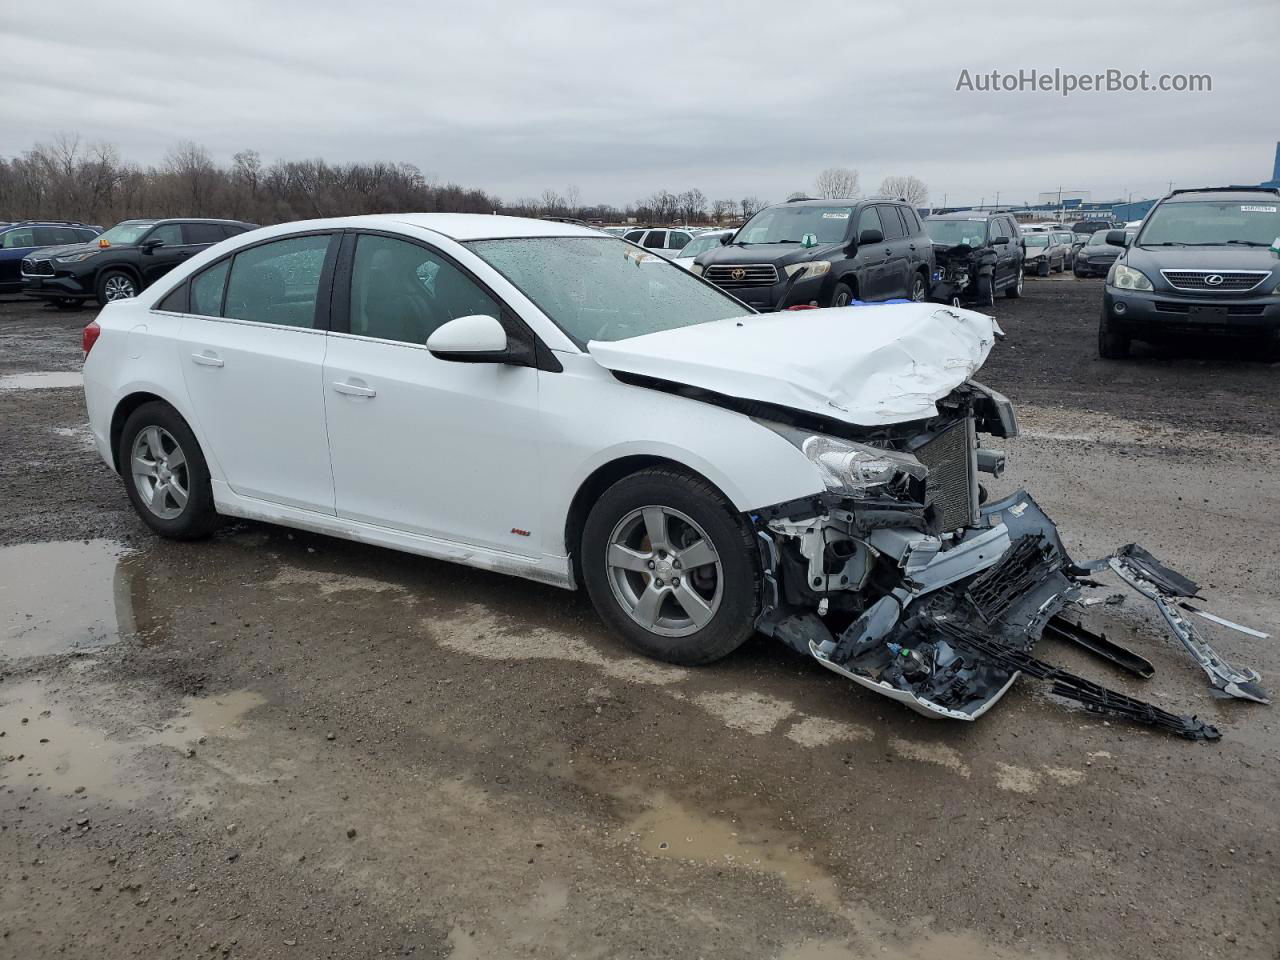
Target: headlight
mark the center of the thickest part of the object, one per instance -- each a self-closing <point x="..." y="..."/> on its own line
<point x="76" y="257"/>
<point x="848" y="468"/>
<point x="1127" y="278"/>
<point x="696" y="269"/>
<point x="1082" y="256"/>
<point x="807" y="271"/>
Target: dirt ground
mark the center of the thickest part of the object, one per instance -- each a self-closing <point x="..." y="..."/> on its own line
<point x="274" y="744"/>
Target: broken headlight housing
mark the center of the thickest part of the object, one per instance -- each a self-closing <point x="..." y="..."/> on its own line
<point x="852" y="469"/>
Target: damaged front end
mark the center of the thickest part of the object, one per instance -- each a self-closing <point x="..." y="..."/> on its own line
<point x="904" y="580"/>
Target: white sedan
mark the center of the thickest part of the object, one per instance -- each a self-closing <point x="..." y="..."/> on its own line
<point x="538" y="399"/>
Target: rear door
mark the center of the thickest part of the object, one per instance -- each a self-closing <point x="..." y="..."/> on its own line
<point x="421" y="445"/>
<point x="897" y="266"/>
<point x="252" y="353"/>
<point x="14" y="245"/>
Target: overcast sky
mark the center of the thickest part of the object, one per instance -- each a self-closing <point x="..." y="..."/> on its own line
<point x="622" y="99"/>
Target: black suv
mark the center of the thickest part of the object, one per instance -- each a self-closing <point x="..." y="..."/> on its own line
<point x="1203" y="261"/>
<point x="125" y="260"/>
<point x="979" y="254"/>
<point x="823" y="253"/>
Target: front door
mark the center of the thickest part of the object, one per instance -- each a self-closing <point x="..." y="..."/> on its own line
<point x="252" y="353"/>
<point x="897" y="268"/>
<point x="158" y="261"/>
<point x="427" y="446"/>
<point x="873" y="258"/>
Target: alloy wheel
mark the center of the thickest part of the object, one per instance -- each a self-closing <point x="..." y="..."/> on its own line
<point x="160" y="473"/>
<point x="917" y="289"/>
<point x="664" y="571"/>
<point x="119" y="287"/>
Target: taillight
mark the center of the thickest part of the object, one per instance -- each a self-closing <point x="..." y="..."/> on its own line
<point x="90" y="336"/>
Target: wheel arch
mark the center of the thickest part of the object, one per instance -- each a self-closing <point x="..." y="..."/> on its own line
<point x="600" y="480"/>
<point x="124" y="267"/>
<point x="130" y="402"/>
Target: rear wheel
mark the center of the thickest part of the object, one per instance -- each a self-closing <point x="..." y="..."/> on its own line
<point x="919" y="287"/>
<point x="671" y="566"/>
<point x="1014" y="290"/>
<point x="1113" y="342"/>
<point x="1043" y="269"/>
<point x="165" y="473"/>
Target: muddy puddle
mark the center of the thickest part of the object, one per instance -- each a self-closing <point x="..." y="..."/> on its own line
<point x="66" y="595"/>
<point x="48" y="741"/>
<point x="49" y="380"/>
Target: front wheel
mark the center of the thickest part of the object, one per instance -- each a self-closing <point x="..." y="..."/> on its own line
<point x="116" y="285"/>
<point x="671" y="566"/>
<point x="984" y="291"/>
<point x="165" y="473"/>
<point x="1043" y="269"/>
<point x="841" y="295"/>
<point x="1113" y="343"/>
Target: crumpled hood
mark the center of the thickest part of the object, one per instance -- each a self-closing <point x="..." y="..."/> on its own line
<point x="868" y="366"/>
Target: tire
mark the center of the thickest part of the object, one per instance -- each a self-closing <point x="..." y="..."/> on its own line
<point x="1113" y="344"/>
<point x="984" y="291"/>
<point x="841" y="295"/>
<point x="1079" y="274"/>
<point x="1043" y="269"/>
<point x="116" y="285"/>
<point x="173" y="517"/>
<point x="919" y="287"/>
<point x="1014" y="290"/>
<point x="68" y="303"/>
<point x="684" y="510"/>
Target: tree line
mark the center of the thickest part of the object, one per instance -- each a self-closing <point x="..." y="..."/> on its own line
<point x="69" y="179"/>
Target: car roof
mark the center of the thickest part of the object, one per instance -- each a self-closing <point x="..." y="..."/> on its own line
<point x="812" y="202"/>
<point x="1229" y="196"/>
<point x="964" y="215"/>
<point x="456" y="226"/>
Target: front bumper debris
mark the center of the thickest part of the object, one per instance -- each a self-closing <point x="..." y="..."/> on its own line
<point x="949" y="623"/>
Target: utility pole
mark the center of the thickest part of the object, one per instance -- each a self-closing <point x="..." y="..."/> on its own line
<point x="997" y="199"/>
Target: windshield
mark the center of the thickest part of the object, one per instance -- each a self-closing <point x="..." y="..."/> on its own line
<point x="1211" y="223"/>
<point x="605" y="289"/>
<point x="951" y="233"/>
<point x="130" y="231"/>
<point x="1099" y="239"/>
<point x="790" y="224"/>
<point x="700" y="245"/>
<point x="1037" y="239"/>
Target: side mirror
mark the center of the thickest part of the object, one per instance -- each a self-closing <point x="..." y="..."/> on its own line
<point x="1117" y="238"/>
<point x="473" y="339"/>
<point x="870" y="236"/>
<point x="727" y="239"/>
<point x="151" y="244"/>
<point x="1000" y="240"/>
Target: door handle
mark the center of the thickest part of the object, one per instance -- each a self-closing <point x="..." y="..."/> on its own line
<point x="354" y="389"/>
<point x="207" y="359"/>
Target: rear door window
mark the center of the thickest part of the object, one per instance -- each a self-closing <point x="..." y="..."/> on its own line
<point x="278" y="282"/>
<point x="656" y="240"/>
<point x="893" y="229"/>
<point x="207" y="289"/>
<point x="635" y="236"/>
<point x="678" y="240"/>
<point x="200" y="233"/>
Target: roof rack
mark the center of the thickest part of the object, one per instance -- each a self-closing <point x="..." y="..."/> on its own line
<point x="798" y="199"/>
<point x="65" y="223"/>
<point x="1237" y="188"/>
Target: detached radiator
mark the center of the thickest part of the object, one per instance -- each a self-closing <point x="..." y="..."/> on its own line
<point x="952" y="487"/>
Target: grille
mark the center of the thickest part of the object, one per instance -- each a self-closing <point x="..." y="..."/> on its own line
<point x="742" y="274"/>
<point x="1233" y="310"/>
<point x="1233" y="280"/>
<point x="37" y="268"/>
<point x="952" y="485"/>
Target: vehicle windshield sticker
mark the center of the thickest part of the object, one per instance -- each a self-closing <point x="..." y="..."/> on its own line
<point x="835" y="216"/>
<point x="1256" y="209"/>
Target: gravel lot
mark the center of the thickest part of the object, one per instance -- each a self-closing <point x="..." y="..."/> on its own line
<point x="274" y="744"/>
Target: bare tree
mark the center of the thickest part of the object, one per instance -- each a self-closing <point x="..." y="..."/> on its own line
<point x="572" y="199"/>
<point x="693" y="205"/>
<point x="721" y="209"/>
<point x="749" y="206"/>
<point x="797" y="195"/>
<point x="910" y="189"/>
<point x="837" y="183"/>
<point x="552" y="203"/>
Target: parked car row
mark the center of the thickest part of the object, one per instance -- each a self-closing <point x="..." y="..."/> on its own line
<point x="17" y="240"/>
